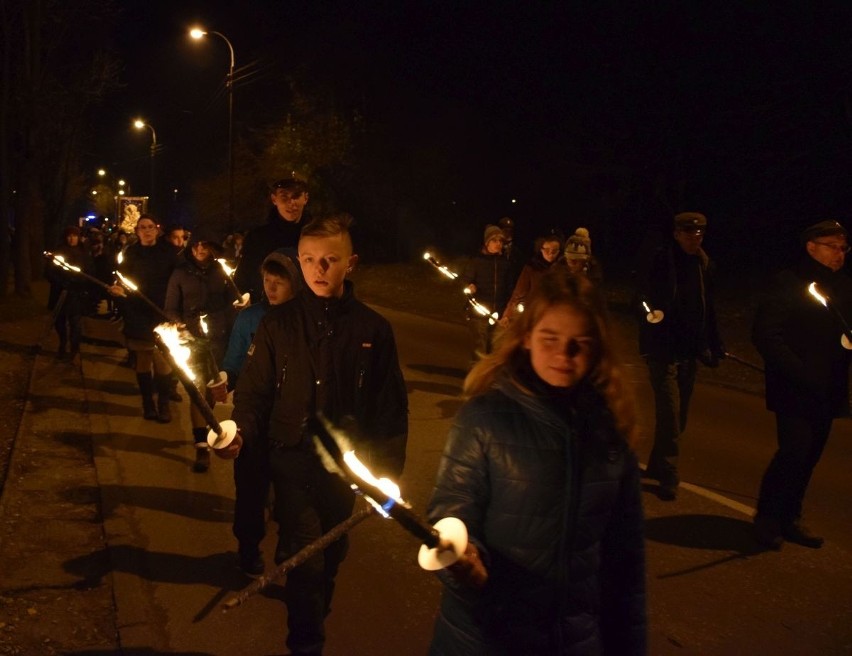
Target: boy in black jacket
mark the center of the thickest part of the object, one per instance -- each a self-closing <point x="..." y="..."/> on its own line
<point x="323" y="351"/>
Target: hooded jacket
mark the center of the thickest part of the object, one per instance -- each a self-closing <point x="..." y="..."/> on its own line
<point x="195" y="290"/>
<point x="807" y="368"/>
<point x="333" y="355"/>
<point x="552" y="499"/>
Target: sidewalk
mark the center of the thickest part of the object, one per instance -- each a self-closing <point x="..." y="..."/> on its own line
<point x="50" y="510"/>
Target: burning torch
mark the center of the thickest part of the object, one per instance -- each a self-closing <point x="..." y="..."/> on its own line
<point x="133" y="288"/>
<point x="478" y="307"/>
<point x="62" y="263"/>
<point x="172" y="344"/>
<point x="242" y="299"/>
<point x="846" y="336"/>
<point x="442" y="544"/>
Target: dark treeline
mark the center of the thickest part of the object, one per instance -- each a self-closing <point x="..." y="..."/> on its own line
<point x="426" y="120"/>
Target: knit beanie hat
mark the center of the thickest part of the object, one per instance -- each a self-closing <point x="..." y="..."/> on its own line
<point x="579" y="245"/>
<point x="281" y="262"/>
<point x="491" y="232"/>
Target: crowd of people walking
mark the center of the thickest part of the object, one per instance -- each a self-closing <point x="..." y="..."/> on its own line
<point x="539" y="463"/>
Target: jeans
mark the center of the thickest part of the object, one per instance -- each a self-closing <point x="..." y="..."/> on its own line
<point x="672" y="383"/>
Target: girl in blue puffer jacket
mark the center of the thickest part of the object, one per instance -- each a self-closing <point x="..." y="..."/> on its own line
<point x="539" y="467"/>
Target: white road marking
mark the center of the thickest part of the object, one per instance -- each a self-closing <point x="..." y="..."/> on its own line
<point x="718" y="498"/>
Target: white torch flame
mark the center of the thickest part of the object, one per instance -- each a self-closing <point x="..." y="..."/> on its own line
<point x="452" y="275"/>
<point x="203" y="321"/>
<point x="384" y="484"/>
<point x="520" y="308"/>
<point x="120" y="257"/>
<point x="646" y="306"/>
<point x="813" y="292"/>
<point x="224" y="264"/>
<point x="170" y="334"/>
<point x="127" y="282"/>
<point x="58" y="259"/>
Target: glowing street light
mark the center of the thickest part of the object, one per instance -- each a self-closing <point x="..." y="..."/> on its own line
<point x="140" y="124"/>
<point x="197" y="33"/>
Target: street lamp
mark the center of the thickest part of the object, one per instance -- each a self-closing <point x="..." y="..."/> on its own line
<point x="198" y="33"/>
<point x="139" y="124"/>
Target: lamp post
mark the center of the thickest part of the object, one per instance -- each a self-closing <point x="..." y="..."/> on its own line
<point x="139" y="124"/>
<point x="198" y="33"/>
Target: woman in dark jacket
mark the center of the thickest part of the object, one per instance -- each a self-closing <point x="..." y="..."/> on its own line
<point x="546" y="253"/>
<point x="538" y="465"/>
<point x="198" y="292"/>
<point x="148" y="263"/>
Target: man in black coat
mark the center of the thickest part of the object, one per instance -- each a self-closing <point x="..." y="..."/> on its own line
<point x="807" y="377"/>
<point x="678" y="286"/>
<point x="281" y="231"/>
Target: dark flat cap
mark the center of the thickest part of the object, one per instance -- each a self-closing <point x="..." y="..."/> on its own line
<point x="690" y="221"/>
<point x="823" y="229"/>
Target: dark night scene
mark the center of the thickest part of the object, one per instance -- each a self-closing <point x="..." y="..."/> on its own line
<point x="425" y="328"/>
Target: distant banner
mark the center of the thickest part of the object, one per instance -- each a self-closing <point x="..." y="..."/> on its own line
<point x="128" y="211"/>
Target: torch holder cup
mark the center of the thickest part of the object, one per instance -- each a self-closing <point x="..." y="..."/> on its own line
<point x="454" y="533"/>
<point x="654" y="316"/>
<point x="229" y="432"/>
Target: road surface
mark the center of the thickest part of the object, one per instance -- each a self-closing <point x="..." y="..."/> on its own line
<point x="710" y="590"/>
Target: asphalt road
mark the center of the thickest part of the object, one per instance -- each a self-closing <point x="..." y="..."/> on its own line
<point x="710" y="590"/>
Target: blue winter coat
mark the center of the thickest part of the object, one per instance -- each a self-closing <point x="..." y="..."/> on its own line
<point x="552" y="499"/>
<point x="242" y="335"/>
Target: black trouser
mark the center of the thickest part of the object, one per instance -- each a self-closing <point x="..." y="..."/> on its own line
<point x="251" y="483"/>
<point x="801" y="441"/>
<point x="672" y="383"/>
<point x="68" y="323"/>
<point x="309" y="501"/>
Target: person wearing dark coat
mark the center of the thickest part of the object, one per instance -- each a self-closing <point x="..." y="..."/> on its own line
<point x="807" y="377"/>
<point x="281" y="231"/>
<point x="546" y="254"/>
<point x="678" y="286"/>
<point x="281" y="281"/>
<point x="485" y="277"/>
<point x="199" y="289"/>
<point x="538" y="465"/>
<point x="68" y="323"/>
<point x="148" y="263"/>
<point x="323" y="351"/>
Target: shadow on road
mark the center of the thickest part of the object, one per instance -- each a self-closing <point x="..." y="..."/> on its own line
<point x="47" y="402"/>
<point x="218" y="570"/>
<point x="196" y="505"/>
<point x="709" y="532"/>
<point x="146" y="444"/>
<point x="452" y="372"/>
<point x="120" y="387"/>
<point x="432" y="388"/>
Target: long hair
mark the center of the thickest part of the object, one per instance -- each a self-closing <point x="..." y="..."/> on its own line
<point x="559" y="287"/>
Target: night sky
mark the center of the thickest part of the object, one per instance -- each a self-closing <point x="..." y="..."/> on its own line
<point x="610" y="115"/>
